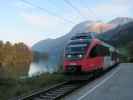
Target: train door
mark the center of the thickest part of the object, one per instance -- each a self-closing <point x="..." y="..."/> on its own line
<point x="95" y="59"/>
<point x="106" y="54"/>
<point x="103" y="53"/>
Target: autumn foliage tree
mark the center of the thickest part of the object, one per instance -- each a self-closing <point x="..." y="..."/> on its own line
<point x="14" y="59"/>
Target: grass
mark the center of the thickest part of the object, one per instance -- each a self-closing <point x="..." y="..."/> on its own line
<point x="10" y="88"/>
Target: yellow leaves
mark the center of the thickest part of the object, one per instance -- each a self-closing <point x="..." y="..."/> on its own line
<point x="14" y="59"/>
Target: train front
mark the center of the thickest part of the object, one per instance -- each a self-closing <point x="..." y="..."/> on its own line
<point x="75" y="53"/>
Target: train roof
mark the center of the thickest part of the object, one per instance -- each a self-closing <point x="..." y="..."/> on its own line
<point x="105" y="44"/>
<point x="88" y="35"/>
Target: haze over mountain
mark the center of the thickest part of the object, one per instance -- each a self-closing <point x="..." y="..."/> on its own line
<point x="55" y="47"/>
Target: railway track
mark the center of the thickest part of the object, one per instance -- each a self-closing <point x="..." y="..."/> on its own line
<point x="55" y="92"/>
<point x="58" y="91"/>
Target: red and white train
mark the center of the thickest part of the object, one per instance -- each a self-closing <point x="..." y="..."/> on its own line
<point x="84" y="54"/>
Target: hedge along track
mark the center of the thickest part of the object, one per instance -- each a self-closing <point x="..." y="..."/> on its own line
<point x="55" y="92"/>
<point x="60" y="90"/>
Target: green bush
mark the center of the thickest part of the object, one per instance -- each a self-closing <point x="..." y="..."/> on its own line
<point x="17" y="87"/>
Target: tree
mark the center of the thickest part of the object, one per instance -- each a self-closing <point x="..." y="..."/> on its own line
<point x="14" y="59"/>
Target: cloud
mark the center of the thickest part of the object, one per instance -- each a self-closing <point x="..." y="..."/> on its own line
<point x="19" y="36"/>
<point x="23" y="6"/>
<point x="106" y="10"/>
<point x="15" y="37"/>
<point x="122" y="2"/>
<point x="111" y="9"/>
<point x="49" y="26"/>
<point x="41" y="22"/>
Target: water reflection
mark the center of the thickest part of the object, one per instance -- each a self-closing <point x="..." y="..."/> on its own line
<point x="42" y="66"/>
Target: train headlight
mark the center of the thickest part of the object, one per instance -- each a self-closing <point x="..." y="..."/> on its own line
<point x="80" y="56"/>
<point x="69" y="56"/>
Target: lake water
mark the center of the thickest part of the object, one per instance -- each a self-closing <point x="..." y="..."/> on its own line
<point x="39" y="67"/>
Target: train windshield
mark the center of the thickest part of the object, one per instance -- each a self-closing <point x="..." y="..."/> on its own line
<point x="76" y="50"/>
<point x="77" y="46"/>
<point x="81" y="37"/>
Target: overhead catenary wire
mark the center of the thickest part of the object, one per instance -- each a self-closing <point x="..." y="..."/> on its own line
<point x="47" y="11"/>
<point x="74" y="7"/>
<point x="90" y="10"/>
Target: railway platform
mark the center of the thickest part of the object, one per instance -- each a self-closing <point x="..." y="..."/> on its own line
<point x="115" y="85"/>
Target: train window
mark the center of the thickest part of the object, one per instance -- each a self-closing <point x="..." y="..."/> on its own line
<point x="81" y="37"/>
<point x="99" y="50"/>
<point x="102" y="50"/>
<point x="93" y="52"/>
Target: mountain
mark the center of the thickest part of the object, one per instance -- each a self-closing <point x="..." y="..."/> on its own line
<point x="51" y="44"/>
<point x="55" y="47"/>
<point x="121" y="33"/>
<point x="87" y="26"/>
<point x="120" y="21"/>
<point x="113" y="32"/>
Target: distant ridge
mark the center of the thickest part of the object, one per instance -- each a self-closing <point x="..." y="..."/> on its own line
<point x="121" y="21"/>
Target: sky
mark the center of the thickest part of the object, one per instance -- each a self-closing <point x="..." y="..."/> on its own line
<point x="41" y="19"/>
